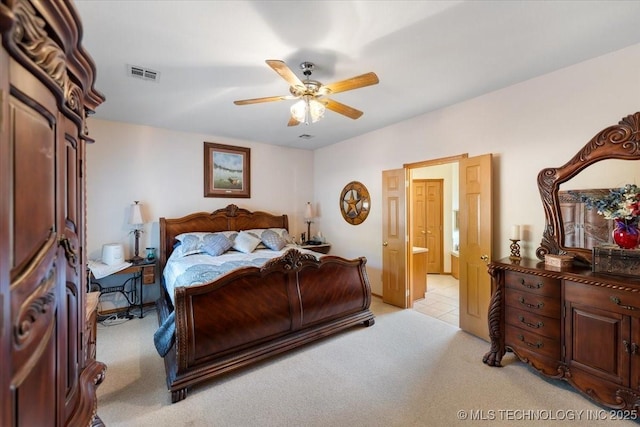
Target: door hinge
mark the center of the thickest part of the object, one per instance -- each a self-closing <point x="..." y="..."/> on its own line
<point x="407" y="293"/>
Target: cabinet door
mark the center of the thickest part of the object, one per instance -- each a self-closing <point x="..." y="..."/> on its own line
<point x="38" y="265"/>
<point x="597" y="342"/>
<point x="69" y="160"/>
<point x="634" y="378"/>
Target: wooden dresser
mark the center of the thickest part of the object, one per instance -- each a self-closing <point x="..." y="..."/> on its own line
<point x="49" y="375"/>
<point x="573" y="325"/>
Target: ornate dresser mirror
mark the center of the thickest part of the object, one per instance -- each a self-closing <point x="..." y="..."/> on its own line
<point x="617" y="144"/>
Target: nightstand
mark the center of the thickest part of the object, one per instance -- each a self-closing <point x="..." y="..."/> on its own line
<point x="140" y="274"/>
<point x="323" y="248"/>
<point x="90" y="334"/>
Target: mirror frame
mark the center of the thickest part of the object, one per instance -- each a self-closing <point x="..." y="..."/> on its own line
<point x="621" y="141"/>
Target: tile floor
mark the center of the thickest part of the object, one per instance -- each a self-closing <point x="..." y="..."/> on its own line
<point x="441" y="300"/>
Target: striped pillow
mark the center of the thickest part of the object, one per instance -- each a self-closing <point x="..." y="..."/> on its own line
<point x="272" y="240"/>
<point x="217" y="244"/>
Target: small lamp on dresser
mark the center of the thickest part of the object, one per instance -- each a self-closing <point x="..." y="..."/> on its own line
<point x="135" y="220"/>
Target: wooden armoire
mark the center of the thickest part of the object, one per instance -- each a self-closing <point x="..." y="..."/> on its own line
<point x="48" y="374"/>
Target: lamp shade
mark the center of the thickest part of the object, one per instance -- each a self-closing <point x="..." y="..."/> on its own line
<point x="307" y="110"/>
<point x="136" y="215"/>
<point x="308" y="212"/>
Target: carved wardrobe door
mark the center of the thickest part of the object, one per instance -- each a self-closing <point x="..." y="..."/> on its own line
<point x="46" y="90"/>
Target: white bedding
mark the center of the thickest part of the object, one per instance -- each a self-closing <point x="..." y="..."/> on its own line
<point x="201" y="268"/>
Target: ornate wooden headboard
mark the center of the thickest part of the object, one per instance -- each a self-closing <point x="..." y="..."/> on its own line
<point x="231" y="218"/>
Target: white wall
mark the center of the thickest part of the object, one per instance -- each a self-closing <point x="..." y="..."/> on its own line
<point x="536" y="124"/>
<point x="164" y="171"/>
<point x="539" y="123"/>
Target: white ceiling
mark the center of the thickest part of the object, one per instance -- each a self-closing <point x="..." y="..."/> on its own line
<point x="427" y="55"/>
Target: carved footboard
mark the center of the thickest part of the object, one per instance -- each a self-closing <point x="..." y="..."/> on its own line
<point x="253" y="313"/>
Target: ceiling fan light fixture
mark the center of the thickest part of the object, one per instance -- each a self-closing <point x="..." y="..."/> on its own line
<point x="307" y="110"/>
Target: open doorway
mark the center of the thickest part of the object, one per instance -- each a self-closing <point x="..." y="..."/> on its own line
<point x="434" y="227"/>
<point x="475" y="225"/>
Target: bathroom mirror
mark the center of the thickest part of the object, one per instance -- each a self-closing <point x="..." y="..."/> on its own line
<point x="622" y="142"/>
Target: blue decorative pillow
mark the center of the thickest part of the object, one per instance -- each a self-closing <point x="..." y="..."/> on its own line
<point x="272" y="240"/>
<point x="217" y="244"/>
<point x="191" y="243"/>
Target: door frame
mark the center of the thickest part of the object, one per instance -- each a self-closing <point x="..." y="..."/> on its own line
<point x="409" y="204"/>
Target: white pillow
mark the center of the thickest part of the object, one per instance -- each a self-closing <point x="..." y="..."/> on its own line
<point x="246" y="242"/>
<point x="258" y="233"/>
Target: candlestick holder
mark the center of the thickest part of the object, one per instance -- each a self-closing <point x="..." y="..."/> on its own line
<point x="515" y="250"/>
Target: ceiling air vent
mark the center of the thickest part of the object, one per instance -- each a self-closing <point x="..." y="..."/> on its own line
<point x="305" y="136"/>
<point x="143" y="73"/>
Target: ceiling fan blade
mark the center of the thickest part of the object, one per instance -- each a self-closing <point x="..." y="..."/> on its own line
<point x="340" y="108"/>
<point x="266" y="99"/>
<point x="285" y="72"/>
<point x="352" y="83"/>
<point x="293" y="122"/>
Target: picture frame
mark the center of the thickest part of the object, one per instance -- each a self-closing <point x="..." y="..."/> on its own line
<point x="227" y="171"/>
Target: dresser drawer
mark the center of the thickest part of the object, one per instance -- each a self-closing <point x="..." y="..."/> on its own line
<point x="519" y="338"/>
<point x="533" y="303"/>
<point x="538" y="285"/>
<point x="149" y="275"/>
<point x="610" y="299"/>
<point x="534" y="322"/>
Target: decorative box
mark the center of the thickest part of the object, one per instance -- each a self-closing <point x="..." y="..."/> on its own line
<point x="558" y="261"/>
<point x="613" y="260"/>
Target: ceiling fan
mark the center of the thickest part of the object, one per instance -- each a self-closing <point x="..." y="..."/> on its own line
<point x="313" y="94"/>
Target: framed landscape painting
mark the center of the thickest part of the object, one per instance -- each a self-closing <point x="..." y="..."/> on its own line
<point x="227" y="171"/>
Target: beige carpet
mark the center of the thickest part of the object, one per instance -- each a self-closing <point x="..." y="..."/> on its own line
<point x="406" y="370"/>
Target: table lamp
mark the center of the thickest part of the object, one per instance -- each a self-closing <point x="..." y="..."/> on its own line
<point x="308" y="216"/>
<point x="135" y="219"/>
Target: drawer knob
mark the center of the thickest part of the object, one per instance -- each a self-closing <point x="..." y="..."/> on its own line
<point x="618" y="302"/>
<point x="526" y="304"/>
<point x="531" y="325"/>
<point x="530" y="286"/>
<point x="530" y="344"/>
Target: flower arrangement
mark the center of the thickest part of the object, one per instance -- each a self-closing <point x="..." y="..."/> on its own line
<point x="621" y="204"/>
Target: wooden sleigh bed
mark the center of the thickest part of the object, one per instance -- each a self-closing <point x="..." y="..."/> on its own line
<point x="252" y="313"/>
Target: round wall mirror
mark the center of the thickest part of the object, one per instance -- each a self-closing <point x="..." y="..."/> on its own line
<point x="355" y="203"/>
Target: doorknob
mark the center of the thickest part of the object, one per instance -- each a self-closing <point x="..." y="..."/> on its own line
<point x="422" y="231"/>
<point x="385" y="244"/>
<point x="485" y="258"/>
